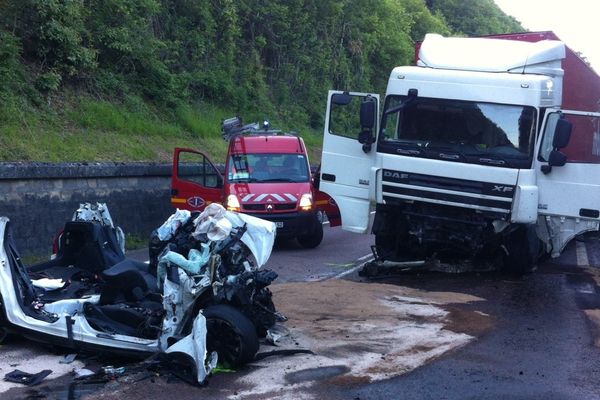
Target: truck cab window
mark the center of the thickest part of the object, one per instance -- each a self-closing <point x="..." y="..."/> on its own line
<point x="468" y="130"/>
<point x="584" y="146"/>
<point x="344" y="119"/>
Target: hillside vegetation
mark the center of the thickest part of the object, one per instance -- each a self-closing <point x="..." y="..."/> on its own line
<point x="92" y="80"/>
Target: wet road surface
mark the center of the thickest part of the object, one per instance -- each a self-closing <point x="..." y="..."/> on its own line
<point x="530" y="338"/>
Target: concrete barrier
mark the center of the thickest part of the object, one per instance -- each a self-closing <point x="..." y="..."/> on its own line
<point x="39" y="197"/>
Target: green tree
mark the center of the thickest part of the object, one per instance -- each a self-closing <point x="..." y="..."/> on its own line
<point x="475" y="17"/>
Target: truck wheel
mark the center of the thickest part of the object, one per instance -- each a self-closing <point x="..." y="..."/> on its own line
<point x="313" y="239"/>
<point x="386" y="246"/>
<point x="231" y="334"/>
<point x="393" y="248"/>
<point x="521" y="251"/>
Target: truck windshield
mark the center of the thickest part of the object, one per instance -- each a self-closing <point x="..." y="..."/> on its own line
<point x="251" y="168"/>
<point x="454" y="130"/>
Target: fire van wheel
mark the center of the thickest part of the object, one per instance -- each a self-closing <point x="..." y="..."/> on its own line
<point x="313" y="239"/>
<point x="231" y="334"/>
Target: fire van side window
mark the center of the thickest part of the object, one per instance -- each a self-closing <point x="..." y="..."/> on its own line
<point x="196" y="168"/>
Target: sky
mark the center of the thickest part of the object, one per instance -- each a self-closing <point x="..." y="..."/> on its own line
<point x="575" y="22"/>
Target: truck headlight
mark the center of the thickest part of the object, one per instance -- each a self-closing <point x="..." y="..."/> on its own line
<point x="306" y="202"/>
<point x="232" y="203"/>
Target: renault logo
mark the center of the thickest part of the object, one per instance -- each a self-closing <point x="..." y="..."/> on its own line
<point x="269" y="207"/>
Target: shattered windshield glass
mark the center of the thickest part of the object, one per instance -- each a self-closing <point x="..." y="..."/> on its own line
<point x="256" y="168"/>
<point x="463" y="131"/>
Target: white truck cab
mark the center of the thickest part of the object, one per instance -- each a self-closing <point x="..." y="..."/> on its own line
<point x="474" y="154"/>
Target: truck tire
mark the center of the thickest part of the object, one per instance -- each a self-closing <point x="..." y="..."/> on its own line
<point x="522" y="249"/>
<point x="313" y="239"/>
<point x="231" y="334"/>
<point x="394" y="248"/>
<point x="386" y="246"/>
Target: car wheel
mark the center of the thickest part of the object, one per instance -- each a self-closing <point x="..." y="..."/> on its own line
<point x="231" y="334"/>
<point x="313" y="239"/>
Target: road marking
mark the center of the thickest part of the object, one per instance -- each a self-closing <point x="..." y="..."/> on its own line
<point x="366" y="259"/>
<point x="581" y="253"/>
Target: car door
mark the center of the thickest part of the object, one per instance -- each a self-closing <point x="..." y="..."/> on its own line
<point x="569" y="195"/>
<point x="195" y="182"/>
<point x="348" y="166"/>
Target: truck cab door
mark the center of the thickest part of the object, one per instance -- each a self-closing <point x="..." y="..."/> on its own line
<point x="568" y="178"/>
<point x="348" y="163"/>
<point x="195" y="181"/>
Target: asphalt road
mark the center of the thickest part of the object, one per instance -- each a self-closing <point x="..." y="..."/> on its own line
<point x="534" y="337"/>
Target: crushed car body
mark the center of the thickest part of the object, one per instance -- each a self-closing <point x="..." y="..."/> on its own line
<point x="203" y="297"/>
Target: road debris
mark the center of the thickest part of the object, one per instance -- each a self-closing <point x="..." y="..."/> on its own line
<point x="275" y="333"/>
<point x="69" y="358"/>
<point x="81" y="373"/>
<point x="25" y="378"/>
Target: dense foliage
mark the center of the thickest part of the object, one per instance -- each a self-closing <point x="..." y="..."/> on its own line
<point x="272" y="57"/>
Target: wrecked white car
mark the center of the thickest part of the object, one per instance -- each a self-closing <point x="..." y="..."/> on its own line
<point x="203" y="297"/>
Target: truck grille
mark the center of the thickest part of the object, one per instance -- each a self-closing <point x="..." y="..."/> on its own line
<point x="449" y="191"/>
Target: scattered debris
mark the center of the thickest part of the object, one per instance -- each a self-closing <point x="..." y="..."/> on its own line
<point x="69" y="358"/>
<point x="275" y="333"/>
<point x="113" y="372"/>
<point x="380" y="267"/>
<point x="25" y="378"/>
<point x="81" y="373"/>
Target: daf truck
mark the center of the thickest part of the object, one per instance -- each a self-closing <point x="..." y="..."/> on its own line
<point x="486" y="150"/>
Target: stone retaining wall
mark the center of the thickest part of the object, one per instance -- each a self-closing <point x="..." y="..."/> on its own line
<point x="39" y="198"/>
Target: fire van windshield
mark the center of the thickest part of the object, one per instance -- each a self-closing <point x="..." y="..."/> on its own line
<point x="256" y="168"/>
<point x="454" y="130"/>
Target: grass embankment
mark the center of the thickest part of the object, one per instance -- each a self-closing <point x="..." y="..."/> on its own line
<point x="84" y="129"/>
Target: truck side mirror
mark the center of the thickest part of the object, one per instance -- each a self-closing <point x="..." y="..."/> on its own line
<point x="367" y="113"/>
<point x="367" y="123"/>
<point x="341" y="99"/>
<point x="562" y="134"/>
<point x="555" y="159"/>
